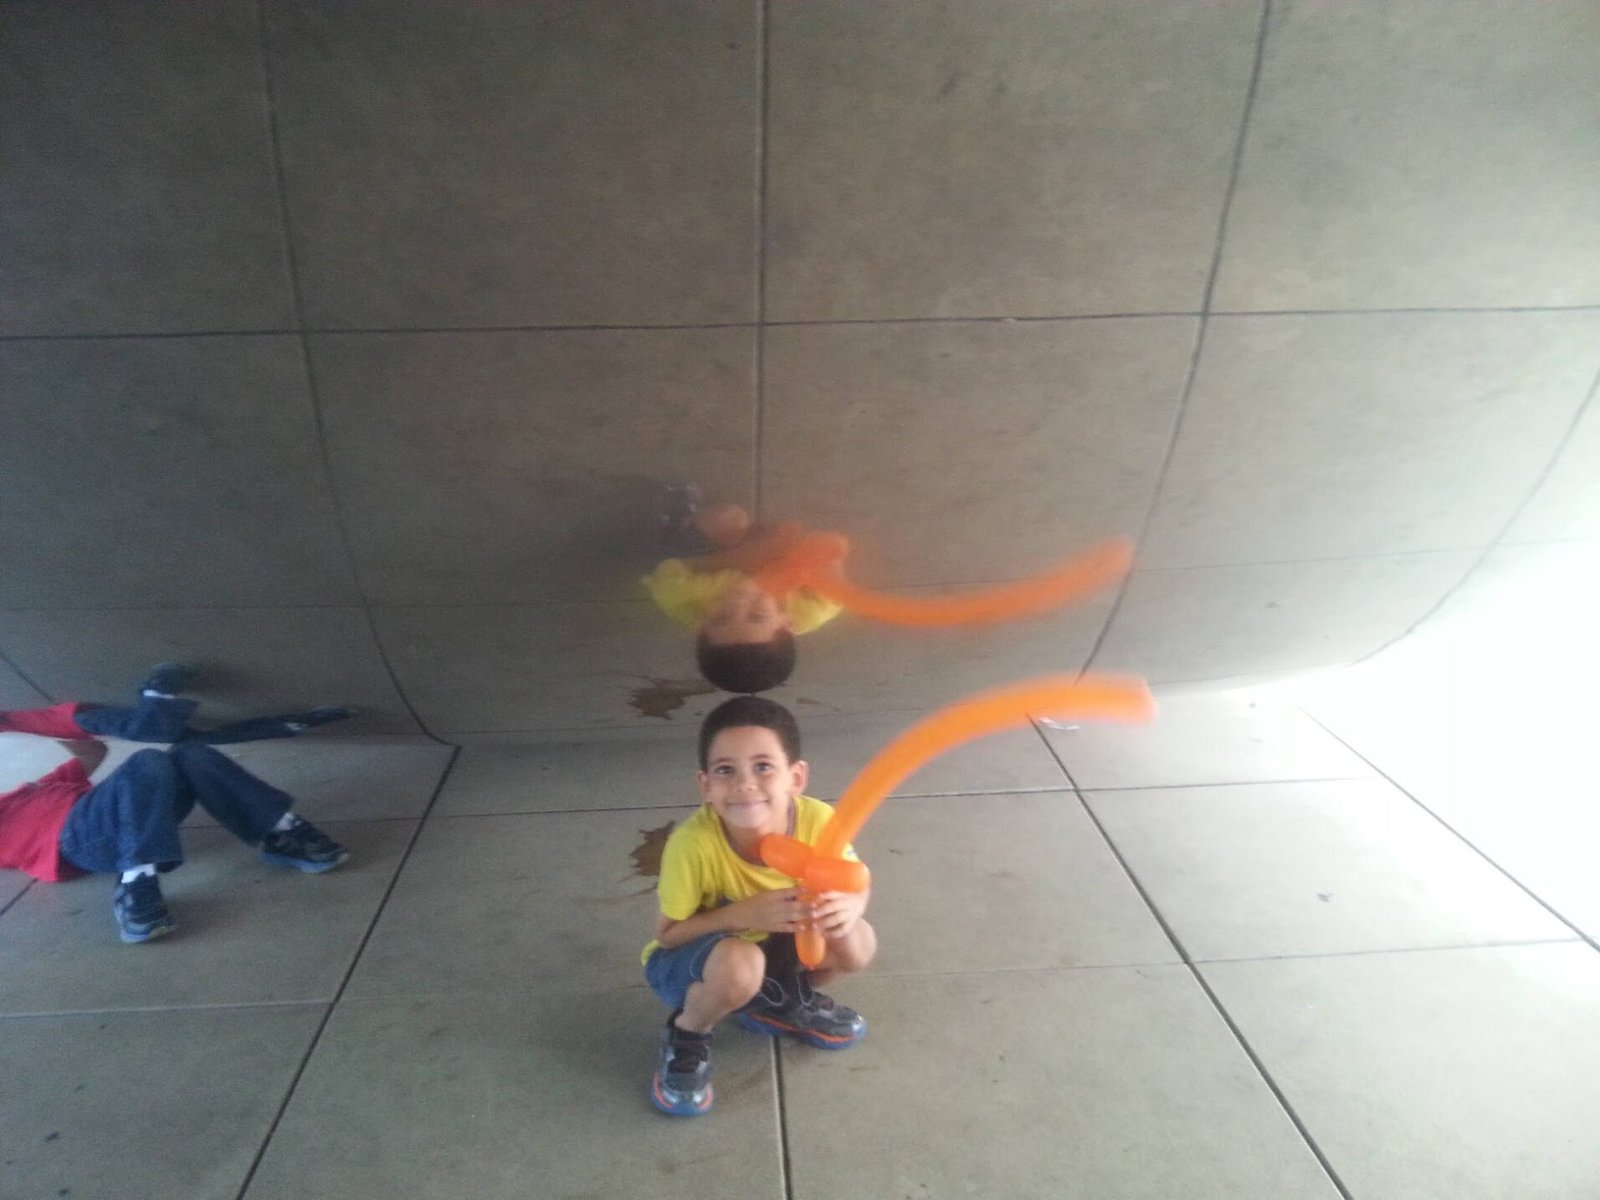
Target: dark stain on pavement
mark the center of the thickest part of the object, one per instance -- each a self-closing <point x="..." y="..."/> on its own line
<point x="661" y="697"/>
<point x="647" y="854"/>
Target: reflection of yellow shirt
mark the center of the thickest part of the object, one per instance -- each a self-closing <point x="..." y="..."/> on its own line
<point x="700" y="871"/>
<point x="687" y="595"/>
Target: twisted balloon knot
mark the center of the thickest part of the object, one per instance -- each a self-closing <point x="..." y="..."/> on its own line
<point x="812" y="871"/>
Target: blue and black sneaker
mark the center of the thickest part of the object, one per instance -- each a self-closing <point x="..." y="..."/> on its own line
<point x="304" y="847"/>
<point x="787" y="1007"/>
<point x="140" y="910"/>
<point x="681" y="1086"/>
<point x="166" y="679"/>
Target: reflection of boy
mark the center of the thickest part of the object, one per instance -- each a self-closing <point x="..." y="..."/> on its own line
<point x="61" y="825"/>
<point x="746" y="637"/>
<point x="724" y="939"/>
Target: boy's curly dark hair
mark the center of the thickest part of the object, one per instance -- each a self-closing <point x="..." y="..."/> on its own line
<point x="756" y="711"/>
<point x="747" y="666"/>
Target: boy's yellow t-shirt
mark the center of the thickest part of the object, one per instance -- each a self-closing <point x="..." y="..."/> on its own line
<point x="700" y="870"/>
<point x="686" y="595"/>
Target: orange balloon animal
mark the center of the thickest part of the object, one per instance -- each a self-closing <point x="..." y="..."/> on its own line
<point x="823" y="867"/>
<point x="817" y="562"/>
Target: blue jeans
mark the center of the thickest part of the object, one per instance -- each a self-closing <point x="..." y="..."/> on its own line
<point x="166" y="719"/>
<point x="154" y="719"/>
<point x="132" y="816"/>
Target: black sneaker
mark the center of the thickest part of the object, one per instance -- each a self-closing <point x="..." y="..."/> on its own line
<point x="681" y="1086"/>
<point x="788" y="1006"/>
<point x="167" y="679"/>
<point x="304" y="847"/>
<point x="300" y="722"/>
<point x="140" y="911"/>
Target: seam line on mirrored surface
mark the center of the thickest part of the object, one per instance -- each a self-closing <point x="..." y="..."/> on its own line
<point x="763" y="16"/>
<point x="1510" y="522"/>
<point x="1200" y="980"/>
<point x="917" y="585"/>
<point x="1457" y="834"/>
<point x="1158" y="489"/>
<point x="975" y="319"/>
<point x="349" y="973"/>
<point x="313" y="391"/>
<point x="23" y="675"/>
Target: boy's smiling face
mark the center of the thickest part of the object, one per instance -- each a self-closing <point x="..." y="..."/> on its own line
<point x="744" y="613"/>
<point x="749" y="781"/>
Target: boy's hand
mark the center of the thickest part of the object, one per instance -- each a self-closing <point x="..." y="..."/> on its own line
<point x="836" y="913"/>
<point x="769" y="912"/>
<point x="88" y="751"/>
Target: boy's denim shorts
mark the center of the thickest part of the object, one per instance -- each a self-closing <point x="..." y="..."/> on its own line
<point x="670" y="972"/>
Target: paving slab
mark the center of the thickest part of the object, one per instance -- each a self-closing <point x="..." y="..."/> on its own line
<point x="1204" y="739"/>
<point x="247" y="932"/>
<point x="969" y="883"/>
<point x="1262" y="870"/>
<point x="1117" y="1083"/>
<point x="515" y="1096"/>
<point x="1472" y="1074"/>
<point x="172" y="1104"/>
<point x="517" y="903"/>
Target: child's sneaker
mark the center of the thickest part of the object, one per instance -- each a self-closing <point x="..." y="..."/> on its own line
<point x="799" y="1012"/>
<point x="304" y="847"/>
<point x="167" y="679"/>
<point x="682" y="1083"/>
<point x="140" y="910"/>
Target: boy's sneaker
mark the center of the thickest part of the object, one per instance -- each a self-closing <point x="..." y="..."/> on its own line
<point x="300" y="722"/>
<point x="167" y="679"/>
<point x="304" y="847"/>
<point x="789" y="1007"/>
<point x="140" y="911"/>
<point x="682" y="1083"/>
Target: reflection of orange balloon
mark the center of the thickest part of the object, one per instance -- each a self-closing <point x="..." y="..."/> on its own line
<point x="816" y="562"/>
<point x="823" y="867"/>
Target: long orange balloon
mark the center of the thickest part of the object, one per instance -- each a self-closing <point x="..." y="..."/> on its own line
<point x="822" y="867"/>
<point x="817" y="563"/>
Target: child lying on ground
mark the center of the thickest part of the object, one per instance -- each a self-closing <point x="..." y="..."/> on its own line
<point x="62" y="825"/>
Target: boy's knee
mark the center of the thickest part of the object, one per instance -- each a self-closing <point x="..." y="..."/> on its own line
<point x="736" y="968"/>
<point x="188" y="752"/>
<point x="150" y="766"/>
<point x="855" y="952"/>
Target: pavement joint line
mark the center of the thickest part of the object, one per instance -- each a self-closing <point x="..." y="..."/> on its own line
<point x="1199" y="978"/>
<point x="350" y="970"/>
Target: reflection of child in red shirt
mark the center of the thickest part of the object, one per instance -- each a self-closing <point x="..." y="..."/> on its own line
<point x="63" y="825"/>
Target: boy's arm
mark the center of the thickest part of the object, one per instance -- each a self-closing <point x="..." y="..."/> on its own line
<point x="769" y="912"/>
<point x="89" y="752"/>
<point x="753" y="554"/>
<point x="56" y="721"/>
<point x="680" y="890"/>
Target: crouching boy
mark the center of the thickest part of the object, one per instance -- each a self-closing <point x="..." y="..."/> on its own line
<point x="724" y="941"/>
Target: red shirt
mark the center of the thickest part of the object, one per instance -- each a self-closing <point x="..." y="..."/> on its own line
<point x="57" y="721"/>
<point x="32" y="816"/>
